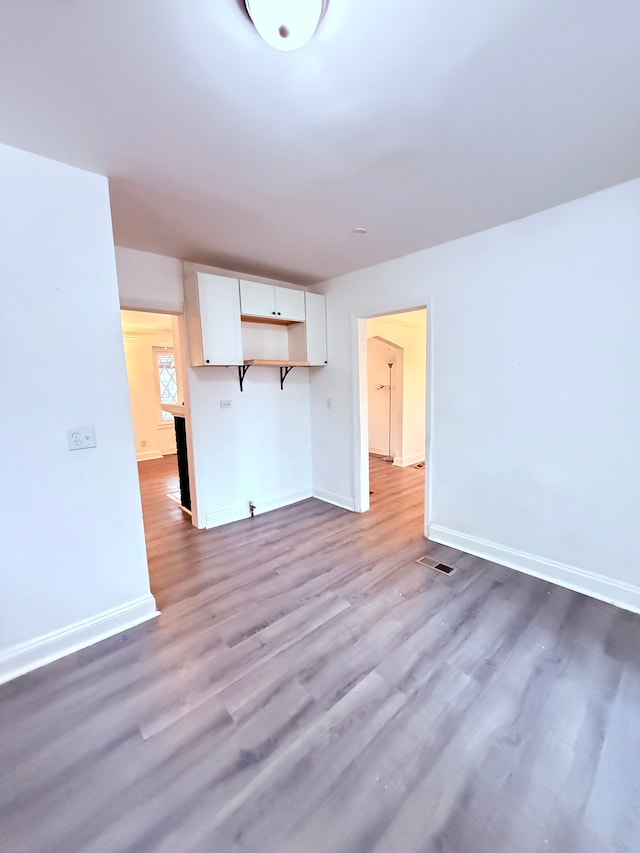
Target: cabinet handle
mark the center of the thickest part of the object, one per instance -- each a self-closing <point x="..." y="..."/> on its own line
<point x="273" y="312"/>
<point x="279" y="313"/>
<point x="207" y="360"/>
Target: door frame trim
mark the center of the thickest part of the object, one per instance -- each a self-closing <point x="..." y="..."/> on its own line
<point x="362" y="501"/>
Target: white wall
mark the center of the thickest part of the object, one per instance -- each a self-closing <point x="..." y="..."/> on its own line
<point x="153" y="439"/>
<point x="535" y="408"/>
<point x="380" y="352"/>
<point x="149" y="282"/>
<point x="408" y="330"/>
<point x="66" y="579"/>
<point x="259" y="449"/>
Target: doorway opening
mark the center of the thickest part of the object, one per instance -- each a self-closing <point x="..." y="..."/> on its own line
<point x="156" y="391"/>
<point x="156" y="372"/>
<point x="391" y="437"/>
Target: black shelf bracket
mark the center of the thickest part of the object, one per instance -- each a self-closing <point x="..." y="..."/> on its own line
<point x="285" y="370"/>
<point x="242" y="372"/>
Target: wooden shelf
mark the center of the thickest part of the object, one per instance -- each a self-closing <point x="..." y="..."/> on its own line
<point x="275" y="362"/>
<point x="269" y="321"/>
<point x="285" y="367"/>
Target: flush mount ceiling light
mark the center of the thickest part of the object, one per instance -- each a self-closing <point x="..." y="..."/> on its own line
<point x="286" y="24"/>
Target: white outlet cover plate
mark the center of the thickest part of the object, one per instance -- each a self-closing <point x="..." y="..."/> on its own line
<point x="81" y="438"/>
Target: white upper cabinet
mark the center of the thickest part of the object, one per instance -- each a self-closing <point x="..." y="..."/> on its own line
<point x="231" y="322"/>
<point x="316" y="328"/>
<point x="257" y="300"/>
<point x="267" y="301"/>
<point x="212" y="308"/>
<point x="289" y="304"/>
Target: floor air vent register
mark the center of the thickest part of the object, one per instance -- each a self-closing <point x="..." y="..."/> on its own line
<point x="436" y="567"/>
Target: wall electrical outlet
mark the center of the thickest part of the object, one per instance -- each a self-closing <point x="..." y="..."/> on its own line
<point x="81" y="438"/>
<point x="225" y="404"/>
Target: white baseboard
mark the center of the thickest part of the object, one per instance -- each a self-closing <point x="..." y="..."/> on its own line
<point x="237" y="513"/>
<point x="405" y="461"/>
<point x="33" y="654"/>
<point x="145" y="455"/>
<point x="374" y="451"/>
<point x="222" y="516"/>
<point x="589" y="583"/>
<point x="267" y="506"/>
<point x="336" y="500"/>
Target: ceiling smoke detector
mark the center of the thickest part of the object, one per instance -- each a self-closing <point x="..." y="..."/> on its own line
<point x="286" y="24"/>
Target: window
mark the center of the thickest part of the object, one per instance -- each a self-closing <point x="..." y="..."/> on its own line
<point x="167" y="380"/>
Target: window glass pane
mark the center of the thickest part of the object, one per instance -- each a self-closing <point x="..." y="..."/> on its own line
<point x="168" y="381"/>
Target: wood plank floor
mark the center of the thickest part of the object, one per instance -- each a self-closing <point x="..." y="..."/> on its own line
<point x="310" y="689"/>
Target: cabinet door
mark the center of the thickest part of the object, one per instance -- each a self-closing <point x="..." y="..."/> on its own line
<point x="220" y="319"/>
<point x="257" y="300"/>
<point x="316" y="328"/>
<point x="289" y="304"/>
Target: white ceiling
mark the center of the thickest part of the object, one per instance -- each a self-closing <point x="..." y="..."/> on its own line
<point x="422" y="120"/>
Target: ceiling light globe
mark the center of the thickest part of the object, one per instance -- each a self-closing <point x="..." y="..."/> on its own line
<point x="285" y="24"/>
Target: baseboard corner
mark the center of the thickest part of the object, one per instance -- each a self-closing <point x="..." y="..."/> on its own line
<point x="331" y="498"/>
<point x="407" y="461"/>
